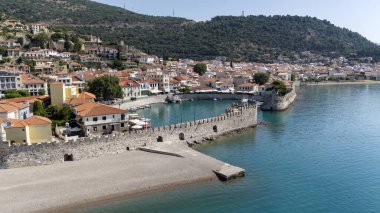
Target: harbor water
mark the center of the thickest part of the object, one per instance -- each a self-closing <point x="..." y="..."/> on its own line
<point x="321" y="155"/>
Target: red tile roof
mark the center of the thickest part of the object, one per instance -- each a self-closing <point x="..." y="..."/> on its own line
<point x="96" y="109"/>
<point x="34" y="120"/>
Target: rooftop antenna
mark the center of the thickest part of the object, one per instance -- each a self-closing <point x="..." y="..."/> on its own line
<point x="124" y="6"/>
<point x="242" y="13"/>
<point x="173" y="12"/>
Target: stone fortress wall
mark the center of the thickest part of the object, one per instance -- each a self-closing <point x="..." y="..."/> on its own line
<point x="85" y="148"/>
<point x="273" y="102"/>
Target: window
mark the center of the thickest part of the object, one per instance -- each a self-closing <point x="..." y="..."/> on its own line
<point x="113" y="116"/>
<point x="95" y="129"/>
<point x="95" y="119"/>
<point x="86" y="119"/>
<point x="104" y="127"/>
<point x="104" y="118"/>
<point x="23" y="129"/>
<point x="122" y="125"/>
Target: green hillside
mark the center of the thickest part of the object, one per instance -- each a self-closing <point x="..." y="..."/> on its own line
<point x="254" y="38"/>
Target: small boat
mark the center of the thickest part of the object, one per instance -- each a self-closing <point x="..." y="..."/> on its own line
<point x="141" y="107"/>
<point x="215" y="99"/>
<point x="133" y="109"/>
<point x="145" y="120"/>
<point x="244" y="100"/>
<point x="147" y="106"/>
<point x="191" y="99"/>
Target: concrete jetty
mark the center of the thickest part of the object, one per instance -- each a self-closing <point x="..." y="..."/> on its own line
<point x="224" y="171"/>
<point x="228" y="172"/>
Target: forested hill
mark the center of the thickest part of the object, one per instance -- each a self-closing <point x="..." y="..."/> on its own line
<point x="254" y="38"/>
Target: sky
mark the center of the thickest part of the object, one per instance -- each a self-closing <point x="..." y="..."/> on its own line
<point x="362" y="16"/>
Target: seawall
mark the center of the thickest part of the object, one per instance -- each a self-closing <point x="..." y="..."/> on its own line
<point x="86" y="148"/>
<point x="220" y="96"/>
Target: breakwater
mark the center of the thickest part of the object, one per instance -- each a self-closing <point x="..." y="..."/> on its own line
<point x="85" y="148"/>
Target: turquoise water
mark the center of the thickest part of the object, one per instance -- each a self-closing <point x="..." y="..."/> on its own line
<point x="322" y="155"/>
<point x="166" y="114"/>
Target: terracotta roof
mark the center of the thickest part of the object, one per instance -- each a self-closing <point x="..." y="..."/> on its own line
<point x="31" y="79"/>
<point x="56" y="83"/>
<point x="82" y="98"/>
<point x="172" y="81"/>
<point x="18" y="105"/>
<point x="30" y="99"/>
<point x="147" y="81"/>
<point x="75" y="78"/>
<point x="96" y="109"/>
<point x="248" y="85"/>
<point x="128" y="83"/>
<point x="34" y="120"/>
<point x="7" y="108"/>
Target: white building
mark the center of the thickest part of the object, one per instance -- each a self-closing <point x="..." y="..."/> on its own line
<point x="96" y="118"/>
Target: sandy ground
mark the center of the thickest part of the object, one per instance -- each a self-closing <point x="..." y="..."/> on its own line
<point x="72" y="184"/>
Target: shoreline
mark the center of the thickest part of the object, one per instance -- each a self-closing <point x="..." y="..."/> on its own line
<point x="327" y="83"/>
<point x="79" y="184"/>
<point x="129" y="195"/>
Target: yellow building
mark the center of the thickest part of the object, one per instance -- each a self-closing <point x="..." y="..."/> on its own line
<point x="59" y="93"/>
<point x="35" y="129"/>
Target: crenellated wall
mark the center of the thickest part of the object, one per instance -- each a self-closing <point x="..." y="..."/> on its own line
<point x="85" y="148"/>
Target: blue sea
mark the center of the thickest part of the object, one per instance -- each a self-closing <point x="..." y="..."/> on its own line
<point x="321" y="155"/>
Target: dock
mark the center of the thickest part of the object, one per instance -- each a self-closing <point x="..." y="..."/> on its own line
<point x="228" y="172"/>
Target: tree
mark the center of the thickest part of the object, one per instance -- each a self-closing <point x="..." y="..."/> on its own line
<point x="261" y="78"/>
<point x="41" y="92"/>
<point x="30" y="64"/>
<point x="106" y="88"/>
<point x="65" y="113"/>
<point x="42" y="39"/>
<point x="200" y="68"/>
<point x="293" y="77"/>
<point x="185" y="89"/>
<point x="118" y="65"/>
<point x="280" y="87"/>
<point x="38" y="109"/>
<point x="52" y="112"/>
<point x="15" y="94"/>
